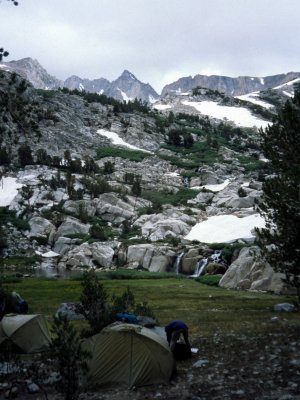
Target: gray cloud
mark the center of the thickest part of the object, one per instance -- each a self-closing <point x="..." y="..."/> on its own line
<point x="158" y="40"/>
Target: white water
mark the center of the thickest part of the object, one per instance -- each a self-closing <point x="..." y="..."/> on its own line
<point x="200" y="268"/>
<point x="177" y="263"/>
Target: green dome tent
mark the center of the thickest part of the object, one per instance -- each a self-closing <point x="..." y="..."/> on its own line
<point x="29" y="332"/>
<point x="129" y="354"/>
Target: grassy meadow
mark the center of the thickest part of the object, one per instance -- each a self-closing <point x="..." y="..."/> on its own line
<point x="206" y="309"/>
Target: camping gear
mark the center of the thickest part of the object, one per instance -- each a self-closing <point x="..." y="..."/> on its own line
<point x="126" y="317"/>
<point x="29" y="332"/>
<point x="129" y="354"/>
<point x="181" y="351"/>
<point x="12" y="303"/>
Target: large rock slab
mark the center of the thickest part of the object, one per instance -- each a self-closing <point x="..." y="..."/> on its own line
<point x="72" y="226"/>
<point x="250" y="272"/>
<point x="150" y="257"/>
<point x="112" y="209"/>
<point x="89" y="255"/>
<point x="78" y="207"/>
<point x="171" y="223"/>
<point x="40" y="227"/>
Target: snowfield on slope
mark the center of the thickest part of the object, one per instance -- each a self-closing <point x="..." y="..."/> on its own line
<point x="252" y="98"/>
<point x="8" y="190"/>
<point x="225" y="228"/>
<point x="115" y="138"/>
<point x="239" y="115"/>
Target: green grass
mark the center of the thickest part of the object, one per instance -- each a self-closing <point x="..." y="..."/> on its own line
<point x="132" y="155"/>
<point x="206" y="309"/>
<point x="179" y="197"/>
<point x="199" y="153"/>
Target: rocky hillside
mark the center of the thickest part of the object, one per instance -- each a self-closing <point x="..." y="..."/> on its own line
<point x="88" y="181"/>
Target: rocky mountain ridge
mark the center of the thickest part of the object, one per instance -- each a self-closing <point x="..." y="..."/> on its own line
<point x="125" y="87"/>
<point x="232" y="86"/>
<point x="128" y="87"/>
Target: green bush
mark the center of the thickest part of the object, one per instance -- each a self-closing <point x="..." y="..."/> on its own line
<point x="8" y="216"/>
<point x="210" y="280"/>
<point x="42" y="240"/>
<point x="132" y="155"/>
<point x="242" y="192"/>
<point x="160" y="198"/>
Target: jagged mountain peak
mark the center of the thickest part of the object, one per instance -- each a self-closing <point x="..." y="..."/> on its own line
<point x="33" y="71"/>
<point x="127" y="75"/>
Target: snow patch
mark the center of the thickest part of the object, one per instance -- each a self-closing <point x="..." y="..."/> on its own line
<point x="162" y="106"/>
<point x="213" y="188"/>
<point x="8" y="190"/>
<point x="151" y="99"/>
<point x="125" y="97"/>
<point x="239" y="115"/>
<point x="81" y="87"/>
<point x="251" y="98"/>
<point x="262" y="81"/>
<point x="115" y="138"/>
<point x="287" y="83"/>
<point x="172" y="174"/>
<point x="288" y="94"/>
<point x="225" y="228"/>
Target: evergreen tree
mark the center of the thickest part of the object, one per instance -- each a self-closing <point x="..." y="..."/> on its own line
<point x="71" y="359"/>
<point x="280" y="204"/>
<point x="94" y="302"/>
<point x="25" y="155"/>
<point x="136" y="188"/>
<point x="4" y="157"/>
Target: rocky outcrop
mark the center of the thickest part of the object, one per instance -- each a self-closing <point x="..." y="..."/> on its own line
<point x="40" y="227"/>
<point x="249" y="272"/>
<point x="78" y="207"/>
<point x="89" y="255"/>
<point x="170" y="223"/>
<point x="112" y="209"/>
<point x="72" y="226"/>
<point x="150" y="257"/>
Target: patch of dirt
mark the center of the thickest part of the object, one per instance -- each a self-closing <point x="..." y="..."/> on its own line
<point x="226" y="367"/>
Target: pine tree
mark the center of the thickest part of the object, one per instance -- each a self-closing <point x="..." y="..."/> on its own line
<point x="280" y="205"/>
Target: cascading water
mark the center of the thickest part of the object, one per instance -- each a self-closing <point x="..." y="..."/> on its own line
<point x="200" y="268"/>
<point x="177" y="263"/>
<point x="216" y="257"/>
<point x="201" y="264"/>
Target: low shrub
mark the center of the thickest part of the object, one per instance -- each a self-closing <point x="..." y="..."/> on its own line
<point x="210" y="280"/>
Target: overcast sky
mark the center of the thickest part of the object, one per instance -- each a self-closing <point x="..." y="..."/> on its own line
<point x="157" y="40"/>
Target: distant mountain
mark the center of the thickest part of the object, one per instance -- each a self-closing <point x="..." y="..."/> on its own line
<point x="232" y="86"/>
<point x="99" y="86"/>
<point x="33" y="71"/>
<point x="126" y="87"/>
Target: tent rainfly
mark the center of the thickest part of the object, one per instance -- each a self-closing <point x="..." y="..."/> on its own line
<point x="128" y="354"/>
<point x="29" y="332"/>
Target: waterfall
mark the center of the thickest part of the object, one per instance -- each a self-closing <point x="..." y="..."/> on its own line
<point x="216" y="256"/>
<point x="200" y="267"/>
<point x="177" y="263"/>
